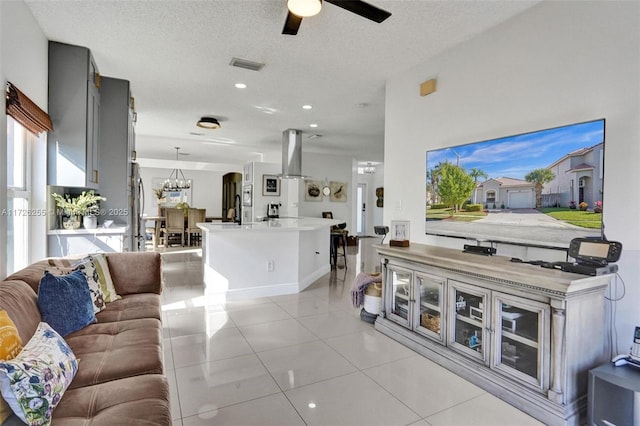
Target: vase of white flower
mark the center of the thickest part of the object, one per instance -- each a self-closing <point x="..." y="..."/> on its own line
<point x="85" y="204"/>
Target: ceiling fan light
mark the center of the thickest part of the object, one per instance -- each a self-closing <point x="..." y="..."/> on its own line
<point x="208" y="123"/>
<point x="304" y="8"/>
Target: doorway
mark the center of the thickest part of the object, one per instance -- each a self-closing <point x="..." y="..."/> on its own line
<point x="231" y="186"/>
<point x="361" y="203"/>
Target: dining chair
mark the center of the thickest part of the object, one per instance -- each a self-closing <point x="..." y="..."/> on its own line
<point x="174" y="225"/>
<point x="195" y="216"/>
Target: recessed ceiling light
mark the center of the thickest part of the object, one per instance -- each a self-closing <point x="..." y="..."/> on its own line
<point x="208" y="123"/>
<point x="241" y="85"/>
<point x="313" y="125"/>
<point x="306" y="107"/>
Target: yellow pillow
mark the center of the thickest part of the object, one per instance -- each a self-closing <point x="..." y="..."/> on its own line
<point x="10" y="347"/>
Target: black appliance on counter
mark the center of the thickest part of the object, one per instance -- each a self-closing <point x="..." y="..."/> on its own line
<point x="273" y="210"/>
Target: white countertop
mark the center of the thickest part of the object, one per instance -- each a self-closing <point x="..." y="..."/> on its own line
<point x="82" y="231"/>
<point x="285" y="224"/>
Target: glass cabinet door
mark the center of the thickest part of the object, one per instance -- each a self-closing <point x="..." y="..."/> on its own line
<point x="467" y="319"/>
<point x="429" y="295"/>
<point x="521" y="339"/>
<point x="400" y="294"/>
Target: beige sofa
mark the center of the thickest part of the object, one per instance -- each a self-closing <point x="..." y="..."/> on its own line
<point x="120" y="378"/>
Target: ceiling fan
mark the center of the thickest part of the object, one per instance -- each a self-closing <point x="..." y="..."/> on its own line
<point x="299" y="9"/>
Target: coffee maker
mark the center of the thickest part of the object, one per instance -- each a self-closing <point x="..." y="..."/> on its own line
<point x="273" y="210"/>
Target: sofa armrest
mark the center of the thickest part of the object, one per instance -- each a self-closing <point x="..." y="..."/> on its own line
<point x="136" y="272"/>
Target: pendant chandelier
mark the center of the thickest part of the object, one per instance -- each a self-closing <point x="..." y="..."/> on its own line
<point x="176" y="180"/>
<point x="369" y="169"/>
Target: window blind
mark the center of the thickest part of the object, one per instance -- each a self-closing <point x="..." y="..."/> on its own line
<point x="26" y="112"/>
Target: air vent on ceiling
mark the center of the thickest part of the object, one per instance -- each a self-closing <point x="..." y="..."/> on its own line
<point x="314" y="136"/>
<point x="249" y="65"/>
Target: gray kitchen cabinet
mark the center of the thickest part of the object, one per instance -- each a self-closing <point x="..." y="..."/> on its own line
<point x="74" y="108"/>
<point x="116" y="148"/>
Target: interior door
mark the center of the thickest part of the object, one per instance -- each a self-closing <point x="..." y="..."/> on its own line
<point x="361" y="203"/>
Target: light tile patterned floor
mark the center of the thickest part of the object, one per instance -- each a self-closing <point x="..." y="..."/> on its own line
<point x="304" y="359"/>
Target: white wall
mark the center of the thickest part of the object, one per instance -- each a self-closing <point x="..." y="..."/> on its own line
<point x="260" y="202"/>
<point x="555" y="64"/>
<point x="206" y="189"/>
<point x="333" y="168"/>
<point x="23" y="61"/>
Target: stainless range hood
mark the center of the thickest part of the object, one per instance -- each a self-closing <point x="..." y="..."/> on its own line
<point x="292" y="154"/>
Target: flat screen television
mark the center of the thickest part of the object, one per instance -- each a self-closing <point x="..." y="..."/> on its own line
<point x="540" y="189"/>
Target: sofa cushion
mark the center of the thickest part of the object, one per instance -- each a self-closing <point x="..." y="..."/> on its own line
<point x="33" y="382"/>
<point x="10" y="347"/>
<point x="65" y="302"/>
<point x="21" y="303"/>
<point x="136" y="272"/>
<point x="31" y="274"/>
<point x="117" y="350"/>
<point x="142" y="400"/>
<point x="132" y="306"/>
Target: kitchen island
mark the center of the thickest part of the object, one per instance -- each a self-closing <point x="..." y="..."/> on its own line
<point x="261" y="259"/>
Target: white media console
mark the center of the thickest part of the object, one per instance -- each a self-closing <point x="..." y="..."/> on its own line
<point x="526" y="334"/>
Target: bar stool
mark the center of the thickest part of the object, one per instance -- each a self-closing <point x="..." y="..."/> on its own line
<point x="338" y="239"/>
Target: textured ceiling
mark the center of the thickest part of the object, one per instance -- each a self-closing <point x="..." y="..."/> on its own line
<point x="176" y="55"/>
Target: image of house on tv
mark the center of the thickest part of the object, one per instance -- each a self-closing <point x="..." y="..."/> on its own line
<point x="578" y="178"/>
<point x="505" y="192"/>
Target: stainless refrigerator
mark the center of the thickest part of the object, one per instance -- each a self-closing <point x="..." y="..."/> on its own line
<point x="120" y="180"/>
<point x="137" y="234"/>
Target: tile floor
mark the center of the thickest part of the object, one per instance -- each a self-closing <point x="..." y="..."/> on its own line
<point x="304" y="359"/>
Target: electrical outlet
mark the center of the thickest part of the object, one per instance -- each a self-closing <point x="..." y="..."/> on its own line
<point x="270" y="265"/>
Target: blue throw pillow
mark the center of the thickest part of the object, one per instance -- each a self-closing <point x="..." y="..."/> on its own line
<point x="65" y="302"/>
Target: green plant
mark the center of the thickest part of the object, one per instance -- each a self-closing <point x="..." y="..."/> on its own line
<point x="82" y="205"/>
<point x="473" y="207"/>
<point x="159" y="193"/>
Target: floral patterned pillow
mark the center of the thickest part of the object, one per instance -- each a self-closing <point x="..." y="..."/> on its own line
<point x="10" y="347"/>
<point x="33" y="382"/>
<point x="104" y="277"/>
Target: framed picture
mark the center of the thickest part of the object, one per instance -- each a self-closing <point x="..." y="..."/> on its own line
<point x="400" y="230"/>
<point x="312" y="190"/>
<point x="270" y="185"/>
<point x="338" y="191"/>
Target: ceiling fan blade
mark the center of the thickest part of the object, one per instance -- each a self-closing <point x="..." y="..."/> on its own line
<point x="363" y="9"/>
<point x="292" y="24"/>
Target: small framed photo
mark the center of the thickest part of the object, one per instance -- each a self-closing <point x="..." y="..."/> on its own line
<point x="270" y="185"/>
<point x="400" y="230"/>
<point x="312" y="190"/>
